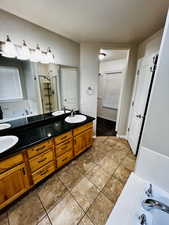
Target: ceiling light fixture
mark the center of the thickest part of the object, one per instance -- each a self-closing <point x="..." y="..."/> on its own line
<point x="8" y="49"/>
<point x="101" y="55"/>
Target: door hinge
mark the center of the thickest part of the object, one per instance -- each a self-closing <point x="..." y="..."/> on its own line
<point x="138" y="72"/>
<point x="132" y="103"/>
<point x="128" y="129"/>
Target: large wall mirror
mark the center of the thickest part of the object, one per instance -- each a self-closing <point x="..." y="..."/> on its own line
<point x="28" y="89"/>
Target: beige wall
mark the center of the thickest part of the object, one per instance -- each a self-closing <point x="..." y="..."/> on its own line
<point x="150" y="45"/>
<point x="89" y="69"/>
<point x="66" y="51"/>
<point x="89" y="64"/>
<point x="156" y="129"/>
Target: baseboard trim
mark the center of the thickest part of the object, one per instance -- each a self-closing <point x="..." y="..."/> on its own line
<point x="122" y="136"/>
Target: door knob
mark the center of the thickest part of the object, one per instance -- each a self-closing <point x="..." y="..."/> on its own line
<point x="139" y="116"/>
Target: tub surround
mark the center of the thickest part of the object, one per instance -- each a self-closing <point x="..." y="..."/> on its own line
<point x="135" y="190"/>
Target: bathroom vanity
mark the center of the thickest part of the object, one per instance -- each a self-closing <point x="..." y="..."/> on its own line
<point x="43" y="148"/>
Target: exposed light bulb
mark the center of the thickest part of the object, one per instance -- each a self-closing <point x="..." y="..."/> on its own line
<point x="36" y="55"/>
<point x="101" y="55"/>
<point x="50" y="56"/>
<point x="26" y="51"/>
<point x="23" y="52"/>
<point x="8" y="49"/>
<point x="44" y="59"/>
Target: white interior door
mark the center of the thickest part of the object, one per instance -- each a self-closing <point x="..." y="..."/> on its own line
<point x="143" y="79"/>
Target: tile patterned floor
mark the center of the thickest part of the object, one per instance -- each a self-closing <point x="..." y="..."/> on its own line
<point x="82" y="193"/>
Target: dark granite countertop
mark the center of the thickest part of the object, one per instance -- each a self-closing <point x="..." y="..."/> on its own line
<point x="35" y="133"/>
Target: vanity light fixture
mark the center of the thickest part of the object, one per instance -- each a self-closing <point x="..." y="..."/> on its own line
<point x="8" y="49"/>
<point x="25" y="51"/>
<point x="50" y="56"/>
<point x="44" y="58"/>
<point x="36" y="55"/>
<point x="101" y="55"/>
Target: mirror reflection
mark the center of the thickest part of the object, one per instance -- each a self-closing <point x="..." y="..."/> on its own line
<point x="29" y="89"/>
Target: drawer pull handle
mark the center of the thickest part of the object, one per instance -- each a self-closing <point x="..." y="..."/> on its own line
<point x="65" y="159"/>
<point x="3" y="169"/>
<point x="65" y="147"/>
<point x="38" y="149"/>
<point x="43" y="173"/>
<point x="64" y="137"/>
<point x="40" y="161"/>
<point x="66" y="143"/>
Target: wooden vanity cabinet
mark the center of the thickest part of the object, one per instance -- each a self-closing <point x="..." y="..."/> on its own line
<point x="13" y="183"/>
<point x="83" y="141"/>
<point x="41" y="161"/>
<point x="64" y="148"/>
<point x="21" y="172"/>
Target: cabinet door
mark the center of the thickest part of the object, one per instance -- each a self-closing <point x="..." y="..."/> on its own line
<point x="12" y="184"/>
<point x="82" y="141"/>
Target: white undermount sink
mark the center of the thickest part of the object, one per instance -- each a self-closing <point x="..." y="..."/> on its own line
<point x="6" y="142"/>
<point x="75" y="119"/>
<point x="58" y="113"/>
<point x="4" y="126"/>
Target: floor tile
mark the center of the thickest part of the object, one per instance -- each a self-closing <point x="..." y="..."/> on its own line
<point x="100" y="210"/>
<point x="122" y="173"/>
<point x="45" y="221"/>
<point x="131" y="155"/>
<point x="118" y="155"/>
<point x="112" y="189"/>
<point x="70" y="177"/>
<point x="28" y="211"/>
<point x="129" y="163"/>
<point x="85" y="221"/>
<point x="85" y="163"/>
<point x="4" y="219"/>
<point x="51" y="192"/>
<point x="108" y="164"/>
<point x="67" y="212"/>
<point x="98" y="155"/>
<point x="98" y="177"/>
<point x="84" y="193"/>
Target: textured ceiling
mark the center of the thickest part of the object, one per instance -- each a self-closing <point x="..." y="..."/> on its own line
<point x="93" y="20"/>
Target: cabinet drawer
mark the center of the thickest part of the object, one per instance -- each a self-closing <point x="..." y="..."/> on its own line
<point x="82" y="128"/>
<point x="64" y="147"/>
<point x="43" y="172"/>
<point x="10" y="162"/>
<point x="41" y="160"/>
<point x="63" y="137"/>
<point x="63" y="159"/>
<point x="37" y="149"/>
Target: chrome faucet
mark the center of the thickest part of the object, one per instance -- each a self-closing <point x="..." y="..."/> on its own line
<point x="72" y="112"/>
<point x="143" y="220"/>
<point x="149" y="191"/>
<point x="150" y="204"/>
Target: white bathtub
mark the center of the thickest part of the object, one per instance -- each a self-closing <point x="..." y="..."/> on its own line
<point x="129" y="205"/>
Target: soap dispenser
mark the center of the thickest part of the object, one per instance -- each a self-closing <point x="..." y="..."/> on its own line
<point x="1" y="113"/>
